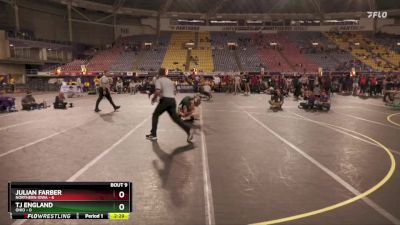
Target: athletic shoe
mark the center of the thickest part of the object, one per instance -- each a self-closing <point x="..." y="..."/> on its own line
<point x="116" y="107"/>
<point x="190" y="135"/>
<point x="151" y="137"/>
<point x="97" y="110"/>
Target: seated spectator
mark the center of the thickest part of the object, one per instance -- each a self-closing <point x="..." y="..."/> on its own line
<point x="133" y="87"/>
<point x="59" y="102"/>
<point x="309" y="100"/>
<point x="187" y="106"/>
<point x="7" y="103"/>
<point x="317" y="91"/>
<point x="276" y="99"/>
<point x="324" y="101"/>
<point x="29" y="103"/>
<point x="119" y="85"/>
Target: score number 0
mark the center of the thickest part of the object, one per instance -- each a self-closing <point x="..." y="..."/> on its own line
<point x="121" y="194"/>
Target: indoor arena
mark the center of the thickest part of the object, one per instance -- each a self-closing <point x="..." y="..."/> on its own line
<point x="199" y="112"/>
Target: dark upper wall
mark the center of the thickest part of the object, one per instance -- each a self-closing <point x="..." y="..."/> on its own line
<point x="50" y="21"/>
<point x="6" y="15"/>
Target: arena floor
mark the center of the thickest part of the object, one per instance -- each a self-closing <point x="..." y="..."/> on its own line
<point x="246" y="165"/>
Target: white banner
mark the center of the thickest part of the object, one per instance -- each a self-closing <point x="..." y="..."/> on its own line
<point x="43" y="73"/>
<point x="266" y="29"/>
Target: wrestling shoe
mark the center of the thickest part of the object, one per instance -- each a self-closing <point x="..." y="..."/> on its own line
<point x="117" y="107"/>
<point x="97" y="110"/>
<point x="151" y="137"/>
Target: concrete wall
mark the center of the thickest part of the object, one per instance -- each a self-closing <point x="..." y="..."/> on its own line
<point x="6" y="15"/>
<point x="393" y="29"/>
<point x="50" y="21"/>
<point x="4" y="46"/>
<point x="134" y="30"/>
<point x="12" y="68"/>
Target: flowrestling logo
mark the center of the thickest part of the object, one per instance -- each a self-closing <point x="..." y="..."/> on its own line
<point x="377" y="14"/>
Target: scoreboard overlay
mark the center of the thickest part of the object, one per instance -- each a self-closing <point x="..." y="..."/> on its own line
<point x="70" y="200"/>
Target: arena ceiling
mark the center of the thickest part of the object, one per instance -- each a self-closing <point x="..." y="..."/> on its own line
<point x="236" y="9"/>
<point x="257" y="6"/>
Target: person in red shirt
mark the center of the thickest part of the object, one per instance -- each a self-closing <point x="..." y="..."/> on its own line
<point x="363" y="84"/>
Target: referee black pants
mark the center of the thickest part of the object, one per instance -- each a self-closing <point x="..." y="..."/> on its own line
<point x="169" y="105"/>
<point x="102" y="94"/>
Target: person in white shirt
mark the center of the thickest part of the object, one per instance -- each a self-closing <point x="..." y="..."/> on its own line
<point x="217" y="83"/>
<point x="104" y="91"/>
<point x="165" y="89"/>
<point x="237" y="84"/>
<point x="119" y="85"/>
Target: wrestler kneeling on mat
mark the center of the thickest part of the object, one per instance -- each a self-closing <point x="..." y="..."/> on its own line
<point x="187" y="108"/>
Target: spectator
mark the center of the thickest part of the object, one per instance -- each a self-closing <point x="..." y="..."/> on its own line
<point x="59" y="102"/>
<point x="29" y="103"/>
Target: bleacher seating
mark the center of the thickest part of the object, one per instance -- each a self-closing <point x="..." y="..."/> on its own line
<point x="176" y="55"/>
<point x="273" y="59"/>
<point x="249" y="59"/>
<point x="363" y="51"/>
<point x="224" y="60"/>
<point x="152" y="59"/>
<point x="74" y="66"/>
<point x="300" y="61"/>
<point x="293" y="52"/>
<point x="103" y="60"/>
<point x="203" y="54"/>
<point x="221" y="39"/>
<point x="124" y="62"/>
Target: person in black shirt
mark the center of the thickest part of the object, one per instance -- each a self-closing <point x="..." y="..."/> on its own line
<point x="296" y="87"/>
<point x="29" y="103"/>
<point x="388" y="87"/>
<point x="59" y="101"/>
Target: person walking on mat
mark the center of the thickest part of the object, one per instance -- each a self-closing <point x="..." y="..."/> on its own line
<point x="104" y="91"/>
<point x="165" y="88"/>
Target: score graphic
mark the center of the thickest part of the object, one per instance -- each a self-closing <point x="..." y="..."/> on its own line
<point x="70" y="200"/>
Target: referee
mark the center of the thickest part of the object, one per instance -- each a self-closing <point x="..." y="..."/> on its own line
<point x="165" y="88"/>
<point x="104" y="91"/>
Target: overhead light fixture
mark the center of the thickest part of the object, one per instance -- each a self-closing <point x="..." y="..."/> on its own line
<point x="398" y="43"/>
<point x="314" y="43"/>
<point x="357" y="43"/>
<point x="272" y="43"/>
<point x="11" y="45"/>
<point x="49" y="49"/>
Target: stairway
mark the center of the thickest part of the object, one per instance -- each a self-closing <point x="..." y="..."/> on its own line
<point x="237" y="60"/>
<point x="196" y="40"/>
<point x="287" y="61"/>
<point x="139" y="60"/>
<point x="188" y="54"/>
